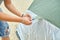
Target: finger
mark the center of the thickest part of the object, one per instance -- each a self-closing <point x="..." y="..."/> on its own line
<point x="30" y="22"/>
<point x="29" y="15"/>
<point x="29" y="19"/>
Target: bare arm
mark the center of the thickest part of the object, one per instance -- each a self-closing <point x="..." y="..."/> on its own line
<point x="10" y="18"/>
<point x="6" y="17"/>
<point x="11" y="8"/>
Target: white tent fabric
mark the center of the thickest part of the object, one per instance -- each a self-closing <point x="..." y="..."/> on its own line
<point x="40" y="29"/>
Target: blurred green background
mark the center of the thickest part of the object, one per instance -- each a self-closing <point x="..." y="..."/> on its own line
<point x="48" y="9"/>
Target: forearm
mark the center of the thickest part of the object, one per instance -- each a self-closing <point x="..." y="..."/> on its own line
<point x="10" y="18"/>
<point x="11" y="8"/>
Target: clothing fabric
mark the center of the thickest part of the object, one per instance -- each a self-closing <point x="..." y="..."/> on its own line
<point x="4" y="27"/>
<point x="40" y="29"/>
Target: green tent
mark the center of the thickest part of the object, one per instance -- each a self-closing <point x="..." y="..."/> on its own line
<point x="48" y="9"/>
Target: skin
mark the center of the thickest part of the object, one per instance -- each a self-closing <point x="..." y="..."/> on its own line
<point x="26" y="19"/>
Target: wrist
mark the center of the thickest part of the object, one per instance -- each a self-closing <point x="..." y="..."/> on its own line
<point x="22" y="15"/>
<point x="22" y="20"/>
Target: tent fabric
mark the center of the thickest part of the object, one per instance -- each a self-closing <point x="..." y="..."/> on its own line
<point x="40" y="29"/>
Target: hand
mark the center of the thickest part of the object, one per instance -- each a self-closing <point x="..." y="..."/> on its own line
<point x="26" y="21"/>
<point x="28" y="15"/>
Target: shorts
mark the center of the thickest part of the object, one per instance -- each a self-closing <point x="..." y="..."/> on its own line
<point x="4" y="28"/>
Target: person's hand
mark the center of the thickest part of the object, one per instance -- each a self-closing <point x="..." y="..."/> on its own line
<point x="26" y="20"/>
<point x="29" y="16"/>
